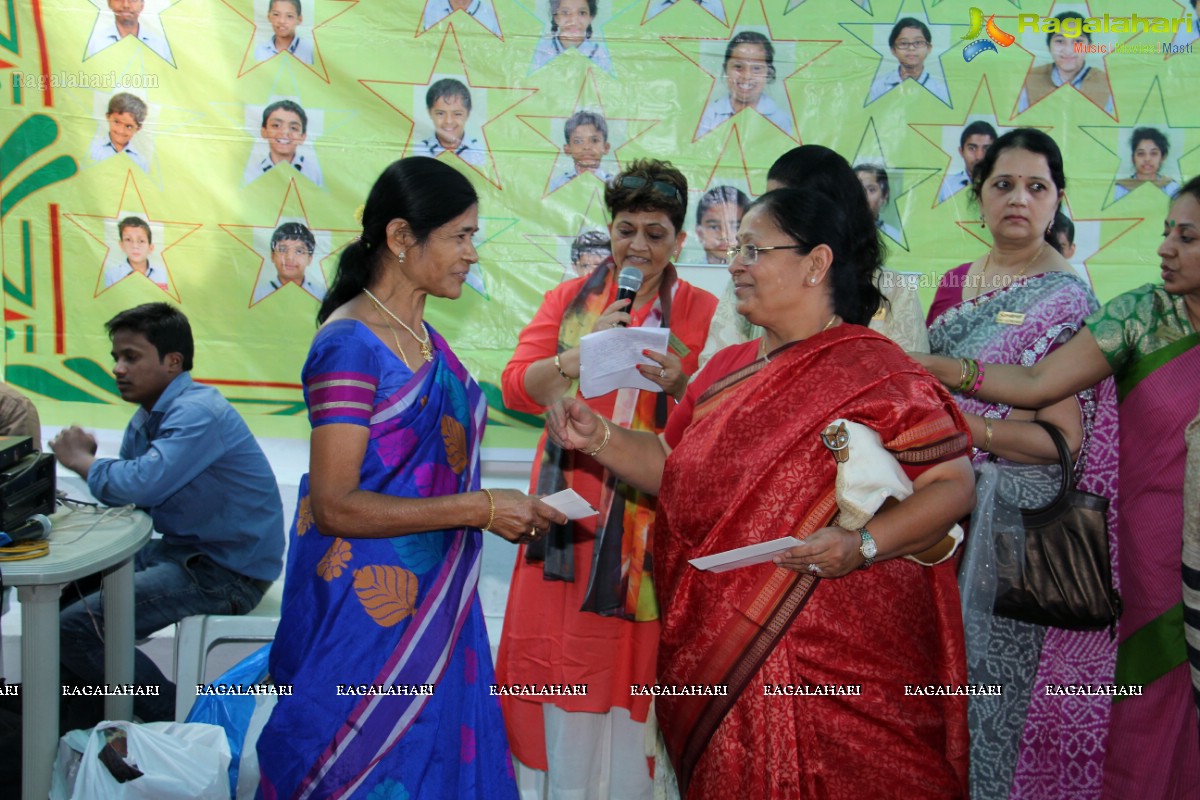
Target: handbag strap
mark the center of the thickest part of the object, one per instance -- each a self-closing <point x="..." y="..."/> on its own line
<point x="1055" y="506"/>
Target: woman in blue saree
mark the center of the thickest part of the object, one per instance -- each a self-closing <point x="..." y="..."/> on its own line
<point x="381" y="635"/>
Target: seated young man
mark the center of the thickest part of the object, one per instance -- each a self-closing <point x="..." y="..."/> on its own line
<point x="448" y="102"/>
<point x="586" y="134"/>
<point x="189" y="460"/>
<point x="284" y="16"/>
<point x="284" y="127"/>
<point x="137" y="245"/>
<point x="125" y="115"/>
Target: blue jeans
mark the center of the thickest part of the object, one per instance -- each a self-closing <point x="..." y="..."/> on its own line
<point x="170" y="582"/>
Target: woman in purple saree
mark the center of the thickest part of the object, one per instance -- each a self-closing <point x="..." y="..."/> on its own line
<point x="1015" y="305"/>
<point x="382" y="636"/>
<point x="1148" y="340"/>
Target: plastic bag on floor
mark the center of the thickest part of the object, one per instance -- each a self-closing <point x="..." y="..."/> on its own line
<point x="241" y="715"/>
<point x="155" y="761"/>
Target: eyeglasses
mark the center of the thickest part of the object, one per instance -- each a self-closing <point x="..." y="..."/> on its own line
<point x="911" y="44"/>
<point x="662" y="187"/>
<point x="749" y="252"/>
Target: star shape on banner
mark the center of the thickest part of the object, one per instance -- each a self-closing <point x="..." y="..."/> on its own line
<point x="87" y="103"/>
<point x="621" y="132"/>
<point x="557" y="247"/>
<point x="714" y="8"/>
<point x="887" y="74"/>
<point x="901" y="181"/>
<point x="865" y="5"/>
<point x="112" y="269"/>
<point x="257" y="239"/>
<point x="261" y="31"/>
<point x="594" y="49"/>
<point x="1034" y="43"/>
<point x="708" y="54"/>
<point x="407" y="98"/>
<point x="711" y="234"/>
<point x="1154" y="113"/>
<point x="151" y="35"/>
<point x="947" y="138"/>
<point x="1092" y="235"/>
<point x="480" y="12"/>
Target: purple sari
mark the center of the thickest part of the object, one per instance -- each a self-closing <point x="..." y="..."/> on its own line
<point x="361" y="615"/>
<point x="1027" y="744"/>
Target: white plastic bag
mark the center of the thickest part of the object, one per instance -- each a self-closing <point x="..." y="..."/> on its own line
<point x="185" y="760"/>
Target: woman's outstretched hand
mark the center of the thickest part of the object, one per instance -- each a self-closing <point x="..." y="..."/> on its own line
<point x="572" y="425"/>
<point x="522" y="518"/>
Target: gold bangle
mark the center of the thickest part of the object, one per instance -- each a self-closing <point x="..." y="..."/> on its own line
<point x="604" y="441"/>
<point x="491" y="511"/>
<point x="987" y="436"/>
<point x="558" y="366"/>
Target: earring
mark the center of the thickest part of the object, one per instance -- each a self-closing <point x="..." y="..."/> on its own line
<point x="812" y="280"/>
<point x="1049" y="227"/>
<point x="400" y="256"/>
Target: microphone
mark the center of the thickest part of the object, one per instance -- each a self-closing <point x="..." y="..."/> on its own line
<point x="628" y="283"/>
<point x="36" y="527"/>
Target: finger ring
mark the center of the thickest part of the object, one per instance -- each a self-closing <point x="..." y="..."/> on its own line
<point x="813" y="568"/>
<point x="662" y="373"/>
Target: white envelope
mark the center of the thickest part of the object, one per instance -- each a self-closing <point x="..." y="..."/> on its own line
<point x="570" y="503"/>
<point x="745" y="556"/>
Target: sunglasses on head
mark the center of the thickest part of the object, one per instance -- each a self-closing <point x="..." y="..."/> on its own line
<point x="662" y="187"/>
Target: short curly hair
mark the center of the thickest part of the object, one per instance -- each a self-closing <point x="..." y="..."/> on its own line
<point x="644" y="195"/>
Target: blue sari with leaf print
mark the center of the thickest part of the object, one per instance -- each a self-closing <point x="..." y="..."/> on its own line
<point x="383" y="640"/>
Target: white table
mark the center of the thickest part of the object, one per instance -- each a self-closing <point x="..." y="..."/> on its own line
<point x="81" y="543"/>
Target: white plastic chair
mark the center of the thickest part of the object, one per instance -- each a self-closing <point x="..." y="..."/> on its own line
<point x="197" y="635"/>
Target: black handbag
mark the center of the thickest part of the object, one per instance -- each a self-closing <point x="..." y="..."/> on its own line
<point x="1067" y="577"/>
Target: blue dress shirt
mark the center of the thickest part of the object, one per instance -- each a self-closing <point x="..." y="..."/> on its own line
<point x="194" y="466"/>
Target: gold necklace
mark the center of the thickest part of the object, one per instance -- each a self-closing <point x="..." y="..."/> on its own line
<point x="1021" y="274"/>
<point x="763" y="341"/>
<point x="396" y="339"/>
<point x="426" y="345"/>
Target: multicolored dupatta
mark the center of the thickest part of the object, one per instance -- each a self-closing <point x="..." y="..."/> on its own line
<point x="621" y="583"/>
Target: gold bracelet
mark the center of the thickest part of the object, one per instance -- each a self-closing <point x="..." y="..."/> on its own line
<point x="604" y="441"/>
<point x="558" y="366"/>
<point x="491" y="511"/>
<point x="987" y="436"/>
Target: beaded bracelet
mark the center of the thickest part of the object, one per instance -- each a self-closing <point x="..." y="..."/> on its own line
<point x="491" y="511"/>
<point x="604" y="441"/>
<point x="558" y="366"/>
<point x="978" y="381"/>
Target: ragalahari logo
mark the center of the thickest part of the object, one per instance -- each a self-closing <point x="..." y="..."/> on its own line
<point x="995" y="36"/>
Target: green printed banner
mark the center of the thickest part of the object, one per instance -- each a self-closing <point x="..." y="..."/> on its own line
<point x="216" y="154"/>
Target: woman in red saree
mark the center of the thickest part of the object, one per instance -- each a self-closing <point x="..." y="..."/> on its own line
<point x="843" y="662"/>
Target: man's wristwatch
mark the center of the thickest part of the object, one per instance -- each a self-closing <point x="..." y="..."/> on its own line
<point x="867" y="548"/>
